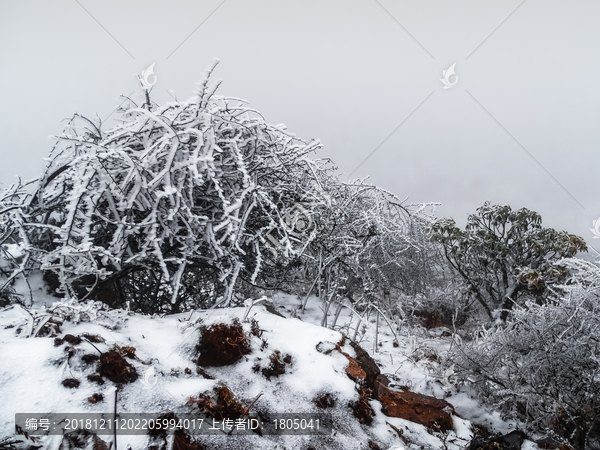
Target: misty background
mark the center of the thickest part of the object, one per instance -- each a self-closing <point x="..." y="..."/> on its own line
<point x="520" y="127"/>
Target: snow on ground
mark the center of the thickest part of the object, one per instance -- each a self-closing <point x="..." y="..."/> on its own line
<point x="32" y="369"/>
<point x="409" y="363"/>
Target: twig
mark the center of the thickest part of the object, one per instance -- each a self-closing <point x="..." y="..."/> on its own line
<point x="115" y="415"/>
<point x="247" y="410"/>
<point x="85" y="297"/>
<point x="400" y="433"/>
<point x="90" y="342"/>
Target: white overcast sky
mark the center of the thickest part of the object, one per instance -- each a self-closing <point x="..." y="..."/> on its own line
<point x="520" y="127"/>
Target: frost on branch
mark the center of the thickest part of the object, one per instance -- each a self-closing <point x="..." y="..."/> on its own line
<point x="182" y="204"/>
<point x="368" y="245"/>
<point x="14" y="241"/>
<point x="169" y="207"/>
<point x="543" y="365"/>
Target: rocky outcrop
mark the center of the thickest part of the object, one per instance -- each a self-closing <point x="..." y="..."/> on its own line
<point x="434" y="413"/>
<point x="354" y="370"/>
<point x="366" y="363"/>
<point x="431" y="412"/>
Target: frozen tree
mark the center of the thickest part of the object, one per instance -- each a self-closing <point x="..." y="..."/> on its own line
<point x="13" y="239"/>
<point x="363" y="246"/>
<point x="505" y="255"/>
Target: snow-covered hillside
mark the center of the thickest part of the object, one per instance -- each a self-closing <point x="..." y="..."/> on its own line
<point x="162" y="351"/>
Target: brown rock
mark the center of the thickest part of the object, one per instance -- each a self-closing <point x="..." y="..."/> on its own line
<point x="362" y="368"/>
<point x="432" y="412"/>
<point x="366" y="363"/>
<point x="353" y="370"/>
<point x="380" y="386"/>
<point x="429" y="411"/>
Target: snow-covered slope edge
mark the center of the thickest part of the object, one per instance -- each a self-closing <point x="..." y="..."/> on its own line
<point x="33" y="369"/>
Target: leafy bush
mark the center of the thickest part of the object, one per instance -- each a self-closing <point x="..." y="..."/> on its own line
<point x="506" y="256"/>
<point x="543" y="366"/>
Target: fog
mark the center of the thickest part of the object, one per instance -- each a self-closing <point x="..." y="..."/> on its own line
<point x="520" y="126"/>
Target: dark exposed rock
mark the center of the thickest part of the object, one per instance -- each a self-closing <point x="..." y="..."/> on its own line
<point x="366" y="363"/>
<point x="71" y="383"/>
<point x="511" y="441"/>
<point x="432" y="412"/>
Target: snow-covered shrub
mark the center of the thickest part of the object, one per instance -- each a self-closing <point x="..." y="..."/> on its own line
<point x="13" y="263"/>
<point x="543" y="365"/>
<point x="180" y="205"/>
<point x="448" y="305"/>
<point x="166" y="209"/>
<point x="364" y="246"/>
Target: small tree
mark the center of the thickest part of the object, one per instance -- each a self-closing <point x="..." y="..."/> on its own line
<point x="503" y="255"/>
